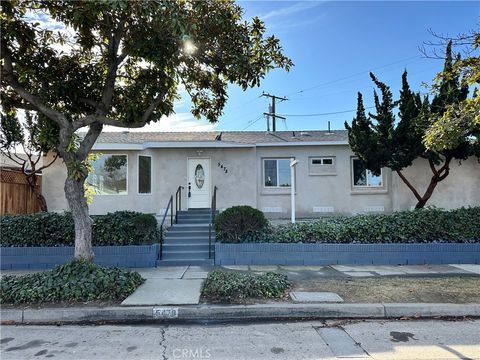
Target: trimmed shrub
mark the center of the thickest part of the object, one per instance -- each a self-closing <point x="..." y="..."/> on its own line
<point x="418" y="226"/>
<point x="76" y="280"/>
<point x="222" y="286"/>
<point x="240" y="224"/>
<point x="53" y="229"/>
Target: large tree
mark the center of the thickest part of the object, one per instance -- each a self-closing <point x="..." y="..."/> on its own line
<point x="25" y="142"/>
<point x="384" y="140"/>
<point x="120" y="63"/>
<point x="459" y="122"/>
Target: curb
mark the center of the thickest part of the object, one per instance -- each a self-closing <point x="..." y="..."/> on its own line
<point x="236" y="312"/>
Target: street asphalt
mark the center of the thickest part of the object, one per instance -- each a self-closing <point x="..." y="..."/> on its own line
<point x="327" y="340"/>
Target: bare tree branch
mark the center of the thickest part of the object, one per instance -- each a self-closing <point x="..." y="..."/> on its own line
<point x="50" y="163"/>
<point x="12" y="158"/>
<point x="11" y="79"/>
<point x="113" y="63"/>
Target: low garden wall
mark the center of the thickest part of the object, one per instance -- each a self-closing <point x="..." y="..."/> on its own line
<point x="44" y="240"/>
<point x="134" y="256"/>
<point x="361" y="254"/>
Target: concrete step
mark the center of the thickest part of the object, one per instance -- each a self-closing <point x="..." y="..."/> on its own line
<point x="184" y="262"/>
<point x="189" y="234"/>
<point x="189" y="227"/>
<point x="195" y="211"/>
<point x="182" y="214"/>
<point x="167" y="255"/>
<point x="194" y="240"/>
<point x="193" y="220"/>
<point x="173" y="247"/>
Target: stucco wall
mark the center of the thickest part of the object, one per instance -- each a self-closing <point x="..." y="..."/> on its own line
<point x="243" y="183"/>
<point x="319" y="191"/>
<point x="460" y="188"/>
<point x="169" y="170"/>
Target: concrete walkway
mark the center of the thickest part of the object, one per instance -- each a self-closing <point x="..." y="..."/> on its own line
<point x="363" y="270"/>
<point x="178" y="285"/>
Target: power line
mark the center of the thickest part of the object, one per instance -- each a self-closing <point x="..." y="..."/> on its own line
<point x="251" y="122"/>
<point x="353" y="75"/>
<point x="326" y="113"/>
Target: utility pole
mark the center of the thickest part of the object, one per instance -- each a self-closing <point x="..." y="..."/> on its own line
<point x="272" y="111"/>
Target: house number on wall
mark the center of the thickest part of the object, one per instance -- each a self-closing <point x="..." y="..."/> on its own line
<point x="199" y="176"/>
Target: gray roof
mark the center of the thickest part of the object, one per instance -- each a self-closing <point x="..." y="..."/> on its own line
<point x="240" y="137"/>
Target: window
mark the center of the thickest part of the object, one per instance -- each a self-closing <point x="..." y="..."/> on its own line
<point x="324" y="165"/>
<point x="276" y="172"/>
<point x="322" y="161"/>
<point x="144" y="174"/>
<point x="363" y="177"/>
<point x="109" y="175"/>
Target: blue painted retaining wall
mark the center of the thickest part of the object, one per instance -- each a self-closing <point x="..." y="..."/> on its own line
<point x="362" y="254"/>
<point x="48" y="257"/>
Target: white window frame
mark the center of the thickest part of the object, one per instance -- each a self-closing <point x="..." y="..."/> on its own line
<point x="365" y="186"/>
<point x="322" y="159"/>
<point x="126" y="182"/>
<point x="263" y="173"/>
<point x="138" y="174"/>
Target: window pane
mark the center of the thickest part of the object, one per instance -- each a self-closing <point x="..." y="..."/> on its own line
<point x="327" y="161"/>
<point x="316" y="161"/>
<point x="359" y="173"/>
<point x="374" y="180"/>
<point x="109" y="175"/>
<point x="284" y="173"/>
<point x="270" y="167"/>
<point x="144" y="174"/>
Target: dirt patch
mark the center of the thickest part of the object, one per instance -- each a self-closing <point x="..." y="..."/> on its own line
<point x="398" y="289"/>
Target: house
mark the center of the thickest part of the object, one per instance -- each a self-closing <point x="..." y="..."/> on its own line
<point x="141" y="170"/>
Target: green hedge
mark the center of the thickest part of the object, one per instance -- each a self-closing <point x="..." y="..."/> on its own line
<point x="53" y="229"/>
<point x="222" y="286"/>
<point x="240" y="223"/>
<point x="74" y="281"/>
<point x="417" y="226"/>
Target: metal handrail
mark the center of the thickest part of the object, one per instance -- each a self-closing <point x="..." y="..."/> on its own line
<point x="178" y="202"/>
<point x="178" y="207"/>
<point x="169" y="206"/>
<point x="212" y="220"/>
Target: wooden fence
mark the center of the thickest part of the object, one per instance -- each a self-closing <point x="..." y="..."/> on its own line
<point x="16" y="197"/>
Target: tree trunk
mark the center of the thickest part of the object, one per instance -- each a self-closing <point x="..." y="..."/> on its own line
<point x="74" y="193"/>
<point x="438" y="175"/>
<point x="32" y="182"/>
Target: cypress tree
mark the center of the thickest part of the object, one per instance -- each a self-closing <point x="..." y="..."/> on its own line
<point x="386" y="142"/>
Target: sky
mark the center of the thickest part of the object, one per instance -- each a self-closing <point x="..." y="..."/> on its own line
<point x="334" y="45"/>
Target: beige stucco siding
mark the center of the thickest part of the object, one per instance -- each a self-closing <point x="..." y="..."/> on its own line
<point x="169" y="170"/>
<point x="460" y="188"/>
<point x="317" y="191"/>
<point x="243" y="183"/>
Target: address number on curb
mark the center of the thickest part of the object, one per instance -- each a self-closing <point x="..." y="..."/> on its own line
<point x="165" y="313"/>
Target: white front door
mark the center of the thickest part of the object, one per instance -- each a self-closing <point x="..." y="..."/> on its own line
<point x="198" y="183"/>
